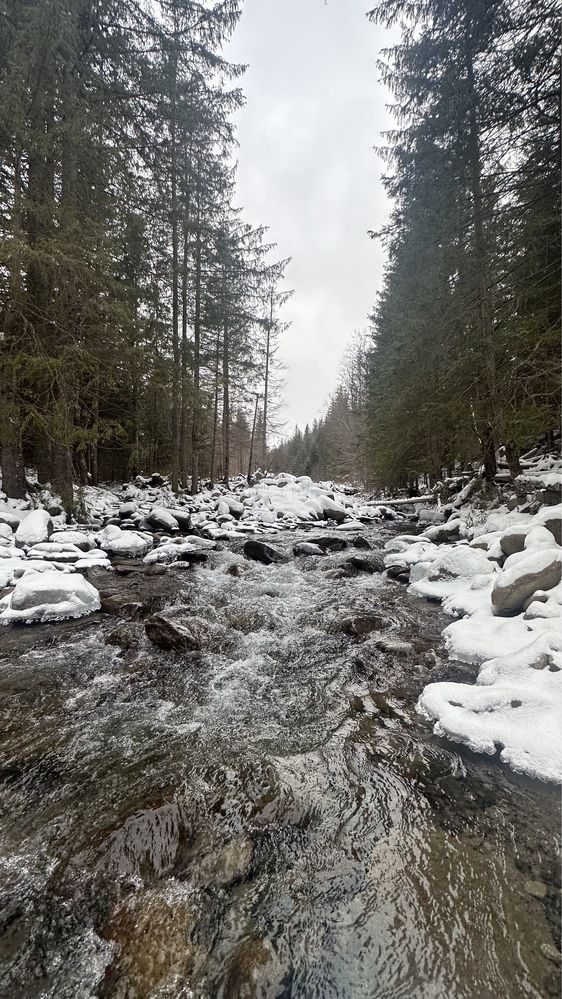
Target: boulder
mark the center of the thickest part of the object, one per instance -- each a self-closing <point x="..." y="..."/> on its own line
<point x="49" y="596"/>
<point x="368" y="562"/>
<point x="362" y="624"/>
<point x="443" y="532"/>
<point x="329" y="542"/>
<point x="551" y="518"/>
<point x="85" y="542"/>
<point x="183" y="518"/>
<point x="9" y="518"/>
<point x="262" y="552"/>
<point x="307" y="548"/>
<point x="127" y="509"/>
<point x="36" y="527"/>
<point x="162" y="519"/>
<point x="181" y="634"/>
<point x="523" y="574"/>
<point x="126" y="543"/>
<point x="332" y="509"/>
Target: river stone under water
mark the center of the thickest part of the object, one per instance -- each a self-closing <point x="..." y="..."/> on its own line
<point x="267" y="817"/>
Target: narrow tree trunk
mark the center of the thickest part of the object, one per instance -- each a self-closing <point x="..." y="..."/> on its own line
<point x="251" y="458"/>
<point x="196" y="419"/>
<point x="266" y="381"/>
<point x="215" y="412"/>
<point x="184" y="435"/>
<point x="226" y="403"/>
<point x="11" y="451"/>
<point x="175" y="294"/>
<point x="480" y="256"/>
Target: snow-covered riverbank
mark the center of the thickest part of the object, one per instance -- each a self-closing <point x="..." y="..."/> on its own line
<point x="496" y="570"/>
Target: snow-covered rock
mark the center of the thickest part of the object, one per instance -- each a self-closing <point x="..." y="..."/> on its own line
<point x="127" y="543"/>
<point x="37" y="526"/>
<point x="451" y="572"/>
<point x="523" y="574"/>
<point x="49" y="596"/>
<point x="515" y="705"/>
<point x="162" y="519"/>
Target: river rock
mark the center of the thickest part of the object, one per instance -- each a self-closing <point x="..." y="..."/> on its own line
<point x="153" y="929"/>
<point x="181" y="634"/>
<point x="226" y="864"/>
<point x="35" y="528"/>
<point x="368" y="562"/>
<point x="11" y="519"/>
<point x="262" y="552"/>
<point x="513" y="539"/>
<point x="441" y="533"/>
<point x="522" y="575"/>
<point x="85" y="542"/>
<point x="307" y="548"/>
<point x="130" y="544"/>
<point x="163" y="519"/>
<point x="255" y="972"/>
<point x="183" y="518"/>
<point x="363" y="624"/>
<point x="536" y="888"/>
<point x="49" y="596"/>
<point x="330" y="542"/>
<point x="333" y="510"/>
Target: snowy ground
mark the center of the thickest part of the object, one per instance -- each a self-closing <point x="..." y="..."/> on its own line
<point x="499" y="575"/>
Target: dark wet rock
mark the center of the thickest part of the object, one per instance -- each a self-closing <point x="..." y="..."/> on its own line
<point x="307" y="548"/>
<point x="236" y="569"/>
<point x="183" y="518"/>
<point x="369" y="562"/>
<point x="400" y="572"/>
<point x="121" y="605"/>
<point x="179" y="633"/>
<point x="152" y="929"/>
<point x="156" y="479"/>
<point x="262" y="552"/>
<point x="363" y="624"/>
<point x="396" y="648"/>
<point x="255" y="972"/>
<point x="329" y="542"/>
<point x="124" y="637"/>
<point x="157" y="569"/>
<point x="361" y="542"/>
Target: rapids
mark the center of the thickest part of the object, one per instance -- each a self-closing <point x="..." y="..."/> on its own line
<point x="268" y="817"/>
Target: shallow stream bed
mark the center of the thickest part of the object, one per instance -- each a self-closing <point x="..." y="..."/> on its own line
<point x="268" y="817"/>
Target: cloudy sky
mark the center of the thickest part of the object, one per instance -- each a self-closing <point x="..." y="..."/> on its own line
<point x="307" y="169"/>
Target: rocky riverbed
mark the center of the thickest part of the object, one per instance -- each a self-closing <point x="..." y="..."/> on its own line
<point x="256" y="809"/>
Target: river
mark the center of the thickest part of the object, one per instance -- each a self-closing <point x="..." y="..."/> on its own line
<point x="268" y="817"/>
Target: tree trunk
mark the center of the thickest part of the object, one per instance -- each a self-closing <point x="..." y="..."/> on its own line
<point x="215" y="412"/>
<point x="196" y="419"/>
<point x="251" y="458"/>
<point x="175" y="294"/>
<point x="488" y="453"/>
<point x="184" y="435"/>
<point x="226" y="403"/>
<point x="266" y="382"/>
<point x="480" y="255"/>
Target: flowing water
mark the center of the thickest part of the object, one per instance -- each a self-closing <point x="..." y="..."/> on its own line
<point x="266" y="818"/>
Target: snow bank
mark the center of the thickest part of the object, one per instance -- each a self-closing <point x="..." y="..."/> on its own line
<point x="516" y="706"/>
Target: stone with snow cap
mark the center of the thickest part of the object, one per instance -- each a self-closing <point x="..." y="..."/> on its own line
<point x="523" y="574"/>
<point x="37" y="526"/>
<point x="49" y="596"/>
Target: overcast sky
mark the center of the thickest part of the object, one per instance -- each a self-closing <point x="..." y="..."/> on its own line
<point x="307" y="169"/>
